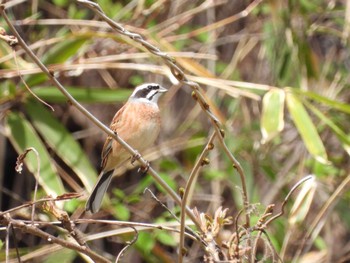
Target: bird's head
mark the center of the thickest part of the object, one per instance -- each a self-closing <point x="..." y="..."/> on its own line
<point x="148" y="92"/>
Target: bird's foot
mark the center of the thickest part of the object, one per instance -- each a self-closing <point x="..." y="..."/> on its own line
<point x="144" y="168"/>
<point x="135" y="157"/>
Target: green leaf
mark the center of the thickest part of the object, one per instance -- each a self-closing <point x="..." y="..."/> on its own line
<point x="302" y="204"/>
<point x="22" y="136"/>
<point x="203" y="37"/>
<point x="272" y="118"/>
<point x="62" y="51"/>
<point x="344" y="107"/>
<point x="62" y="142"/>
<point x="118" y="193"/>
<point x="166" y="238"/>
<point x="214" y="174"/>
<point x="5" y="49"/>
<point x="169" y="181"/>
<point x="121" y="212"/>
<point x="71" y="205"/>
<point x="7" y="90"/>
<point x="145" y="242"/>
<point x="306" y="128"/>
<point x="342" y="136"/>
<point x="63" y="255"/>
<point x="85" y="95"/>
<point x="61" y="3"/>
<point x="142" y="185"/>
<point x="58" y="53"/>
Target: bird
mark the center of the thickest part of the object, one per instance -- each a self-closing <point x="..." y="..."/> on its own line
<point x="138" y="124"/>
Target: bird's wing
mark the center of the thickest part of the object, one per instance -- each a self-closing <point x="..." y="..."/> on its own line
<point x="114" y="126"/>
<point x="107" y="148"/>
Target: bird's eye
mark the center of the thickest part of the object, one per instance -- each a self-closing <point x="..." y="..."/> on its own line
<point x="153" y="87"/>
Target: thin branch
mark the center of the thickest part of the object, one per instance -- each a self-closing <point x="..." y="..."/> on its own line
<point x="28" y="228"/>
<point x="286" y="199"/>
<point x="19" y="165"/>
<point x="27" y="87"/>
<point x="325" y="208"/>
<point x="15" y="243"/>
<point x="169" y="226"/>
<point x="192" y="178"/>
<point x="198" y="238"/>
<point x="58" y="198"/>
<point x="139" y="226"/>
<point x="218" y="24"/>
<point x="7" y="241"/>
<point x="10" y="40"/>
<point x="130" y="243"/>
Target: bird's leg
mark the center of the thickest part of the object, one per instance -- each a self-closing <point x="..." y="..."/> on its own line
<point x="135" y="157"/>
<point x="144" y="168"/>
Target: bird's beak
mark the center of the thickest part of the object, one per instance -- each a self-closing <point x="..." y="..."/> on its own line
<point x="162" y="90"/>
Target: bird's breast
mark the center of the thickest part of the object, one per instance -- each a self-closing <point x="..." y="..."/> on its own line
<point x="142" y="125"/>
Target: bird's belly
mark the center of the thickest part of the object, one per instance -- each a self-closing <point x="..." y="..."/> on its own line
<point x="145" y="136"/>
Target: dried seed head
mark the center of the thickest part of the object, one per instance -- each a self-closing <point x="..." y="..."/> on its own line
<point x="181" y="192"/>
<point x="194" y="95"/>
<point x="222" y="132"/>
<point x="205" y="161"/>
<point x="210" y="146"/>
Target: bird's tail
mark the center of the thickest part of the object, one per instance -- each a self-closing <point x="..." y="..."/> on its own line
<point x="93" y="204"/>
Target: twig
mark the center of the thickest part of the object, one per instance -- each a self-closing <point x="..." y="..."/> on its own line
<point x="15" y="243"/>
<point x="160" y="203"/>
<point x="51" y="208"/>
<point x="192" y="178"/>
<point x="181" y="231"/>
<point x="237" y="234"/>
<point x="261" y="223"/>
<point x="27" y="87"/>
<point x="286" y="199"/>
<point x="58" y="198"/>
<point x="19" y="164"/>
<point x="130" y="243"/>
<point x="7" y="220"/>
<point x="321" y="213"/>
<point x="139" y="226"/>
<point x="10" y="40"/>
<point x="7" y="240"/>
<point x="218" y="24"/>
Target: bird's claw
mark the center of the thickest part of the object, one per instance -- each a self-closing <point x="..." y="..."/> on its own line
<point x="144" y="168"/>
<point x="135" y="157"/>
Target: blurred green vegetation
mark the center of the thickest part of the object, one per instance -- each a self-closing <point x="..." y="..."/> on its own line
<point x="277" y="79"/>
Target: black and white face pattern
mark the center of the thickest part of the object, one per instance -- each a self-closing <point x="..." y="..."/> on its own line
<point x="148" y="92"/>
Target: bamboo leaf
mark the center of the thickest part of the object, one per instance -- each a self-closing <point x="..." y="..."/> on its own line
<point x="85" y="95"/>
<point x="272" y="117"/>
<point x="344" y="107"/>
<point x="62" y="142"/>
<point x="342" y="136"/>
<point x="22" y="136"/>
<point x="302" y="204"/>
<point x="306" y="128"/>
<point x="58" y="53"/>
<point x="5" y="49"/>
<point x="65" y="49"/>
